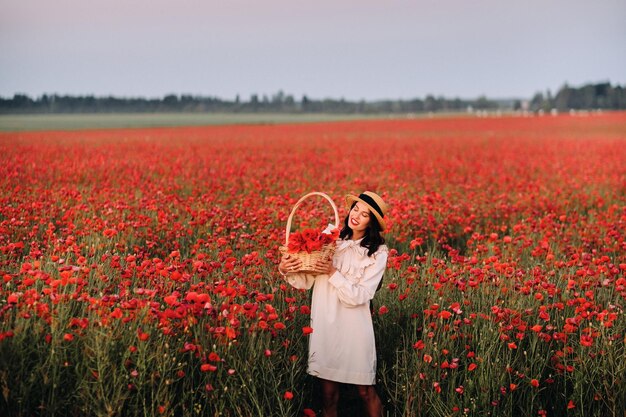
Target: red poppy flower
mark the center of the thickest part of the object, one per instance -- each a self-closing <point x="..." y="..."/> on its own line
<point x="310" y="240"/>
<point x="207" y="367"/>
<point x="419" y="345"/>
<point x="142" y="336"/>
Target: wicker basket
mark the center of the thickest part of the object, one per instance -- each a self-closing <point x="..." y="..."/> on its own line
<point x="309" y="260"/>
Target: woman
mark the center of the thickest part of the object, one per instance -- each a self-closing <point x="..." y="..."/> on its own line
<point x="342" y="347"/>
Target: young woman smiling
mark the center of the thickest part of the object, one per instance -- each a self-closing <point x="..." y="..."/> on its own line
<point x="342" y="348"/>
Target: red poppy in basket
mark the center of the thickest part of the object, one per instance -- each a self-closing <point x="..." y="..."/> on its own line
<point x="310" y="240"/>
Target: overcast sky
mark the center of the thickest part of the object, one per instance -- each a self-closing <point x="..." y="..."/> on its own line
<point x="356" y="49"/>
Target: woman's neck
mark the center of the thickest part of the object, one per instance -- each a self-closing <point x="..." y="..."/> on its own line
<point x="357" y="236"/>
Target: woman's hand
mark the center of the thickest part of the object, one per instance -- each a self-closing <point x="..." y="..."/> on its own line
<point x="289" y="264"/>
<point x="325" y="266"/>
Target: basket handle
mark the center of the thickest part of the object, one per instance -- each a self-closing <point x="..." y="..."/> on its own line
<point x="287" y="230"/>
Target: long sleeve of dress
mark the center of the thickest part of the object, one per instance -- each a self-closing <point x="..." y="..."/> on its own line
<point x="353" y="294"/>
<point x="300" y="281"/>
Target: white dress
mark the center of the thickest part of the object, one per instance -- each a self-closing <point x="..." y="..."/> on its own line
<point x="342" y="346"/>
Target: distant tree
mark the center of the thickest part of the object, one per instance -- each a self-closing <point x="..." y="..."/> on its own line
<point x="549" y="102"/>
<point x="602" y="93"/>
<point x="278" y="98"/>
<point x="617" y="98"/>
<point x="289" y="103"/>
<point x="482" y="103"/>
<point x="305" y="103"/>
<point x="170" y="101"/>
<point x="254" y="102"/>
<point x="563" y="99"/>
<point x="537" y="102"/>
<point x="416" y="105"/>
<point x="430" y="103"/>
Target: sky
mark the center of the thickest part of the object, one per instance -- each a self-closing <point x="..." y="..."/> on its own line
<point x="352" y="49"/>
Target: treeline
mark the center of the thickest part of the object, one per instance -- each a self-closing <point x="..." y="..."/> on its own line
<point x="595" y="96"/>
<point x="588" y="97"/>
<point x="277" y="103"/>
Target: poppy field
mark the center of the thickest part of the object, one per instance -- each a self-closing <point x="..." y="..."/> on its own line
<point x="139" y="266"/>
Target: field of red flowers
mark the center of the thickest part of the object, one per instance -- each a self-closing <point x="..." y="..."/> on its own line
<point x="139" y="266"/>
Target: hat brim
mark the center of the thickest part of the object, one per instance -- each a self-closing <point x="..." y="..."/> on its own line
<point x="352" y="198"/>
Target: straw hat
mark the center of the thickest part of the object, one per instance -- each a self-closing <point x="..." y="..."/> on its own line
<point x="373" y="202"/>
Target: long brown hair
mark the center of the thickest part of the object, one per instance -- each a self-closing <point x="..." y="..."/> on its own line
<point x="372" y="239"/>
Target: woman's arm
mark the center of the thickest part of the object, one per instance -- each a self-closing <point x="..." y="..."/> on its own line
<point x="296" y="280"/>
<point x="351" y="294"/>
<point x="300" y="281"/>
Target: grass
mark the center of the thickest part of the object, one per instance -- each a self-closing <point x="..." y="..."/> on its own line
<point x="79" y="121"/>
<point x="25" y="122"/>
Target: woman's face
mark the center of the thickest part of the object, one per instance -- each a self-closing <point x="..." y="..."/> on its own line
<point x="359" y="217"/>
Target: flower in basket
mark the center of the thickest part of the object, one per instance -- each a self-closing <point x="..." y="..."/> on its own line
<point x="311" y="240"/>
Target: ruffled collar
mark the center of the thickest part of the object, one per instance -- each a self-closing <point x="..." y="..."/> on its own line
<point x="351" y="258"/>
<point x="355" y="245"/>
<point x="349" y="243"/>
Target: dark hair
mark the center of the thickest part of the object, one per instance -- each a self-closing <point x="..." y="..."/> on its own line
<point x="372" y="239"/>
